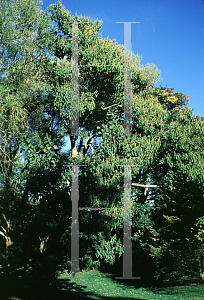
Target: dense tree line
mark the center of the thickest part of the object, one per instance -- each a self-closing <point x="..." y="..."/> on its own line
<point x="165" y="150"/>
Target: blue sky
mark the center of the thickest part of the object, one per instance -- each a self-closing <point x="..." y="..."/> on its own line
<point x="170" y="35"/>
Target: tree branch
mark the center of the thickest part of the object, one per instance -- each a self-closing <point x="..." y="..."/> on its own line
<point x="91" y="148"/>
<point x="88" y="143"/>
<point x="8" y="224"/>
<point x="43" y="242"/>
<point x="3" y="229"/>
<point x="73" y="145"/>
<point x="80" y="144"/>
<point x="144" y="185"/>
<point x="16" y="147"/>
<point x="112" y="106"/>
<point x="1" y="233"/>
<point x="1" y="57"/>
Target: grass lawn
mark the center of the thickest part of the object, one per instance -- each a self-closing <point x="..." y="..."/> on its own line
<point x="101" y="285"/>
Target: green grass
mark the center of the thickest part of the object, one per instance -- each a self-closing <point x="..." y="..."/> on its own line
<point x="98" y="285"/>
<point x="102" y="286"/>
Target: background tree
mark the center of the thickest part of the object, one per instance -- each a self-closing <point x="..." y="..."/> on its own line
<point x="179" y="170"/>
<point x="23" y="42"/>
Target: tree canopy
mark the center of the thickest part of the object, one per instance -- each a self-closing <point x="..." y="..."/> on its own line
<point x="165" y="151"/>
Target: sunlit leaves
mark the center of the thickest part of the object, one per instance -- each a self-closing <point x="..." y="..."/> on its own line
<point x="23" y="33"/>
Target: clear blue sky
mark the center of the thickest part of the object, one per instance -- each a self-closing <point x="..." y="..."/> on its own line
<point x="170" y="35"/>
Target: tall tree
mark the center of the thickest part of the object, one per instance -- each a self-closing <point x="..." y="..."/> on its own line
<point x="101" y="115"/>
<point x="157" y="152"/>
<point x="101" y="93"/>
<point x="24" y="39"/>
<point x="179" y="169"/>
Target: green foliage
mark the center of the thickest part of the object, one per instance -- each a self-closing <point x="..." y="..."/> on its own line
<point x="165" y="151"/>
<point x="200" y="225"/>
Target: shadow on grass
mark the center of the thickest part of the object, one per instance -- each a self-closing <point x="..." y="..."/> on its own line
<point x="157" y="287"/>
<point x="23" y="288"/>
<point x="60" y="289"/>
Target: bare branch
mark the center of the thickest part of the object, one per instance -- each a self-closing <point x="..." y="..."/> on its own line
<point x="91" y="149"/>
<point x="80" y="144"/>
<point x="67" y="184"/>
<point x="119" y="105"/>
<point x="3" y="229"/>
<point x="73" y="145"/>
<point x="1" y="233"/>
<point x="8" y="224"/>
<point x="88" y="143"/>
<point x="42" y="247"/>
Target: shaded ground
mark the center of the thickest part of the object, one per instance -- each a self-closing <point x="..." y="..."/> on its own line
<point x="100" y="285"/>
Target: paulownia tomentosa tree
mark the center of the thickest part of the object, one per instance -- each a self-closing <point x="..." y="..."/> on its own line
<point x="101" y="98"/>
<point x="101" y="93"/>
<point x="154" y="116"/>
